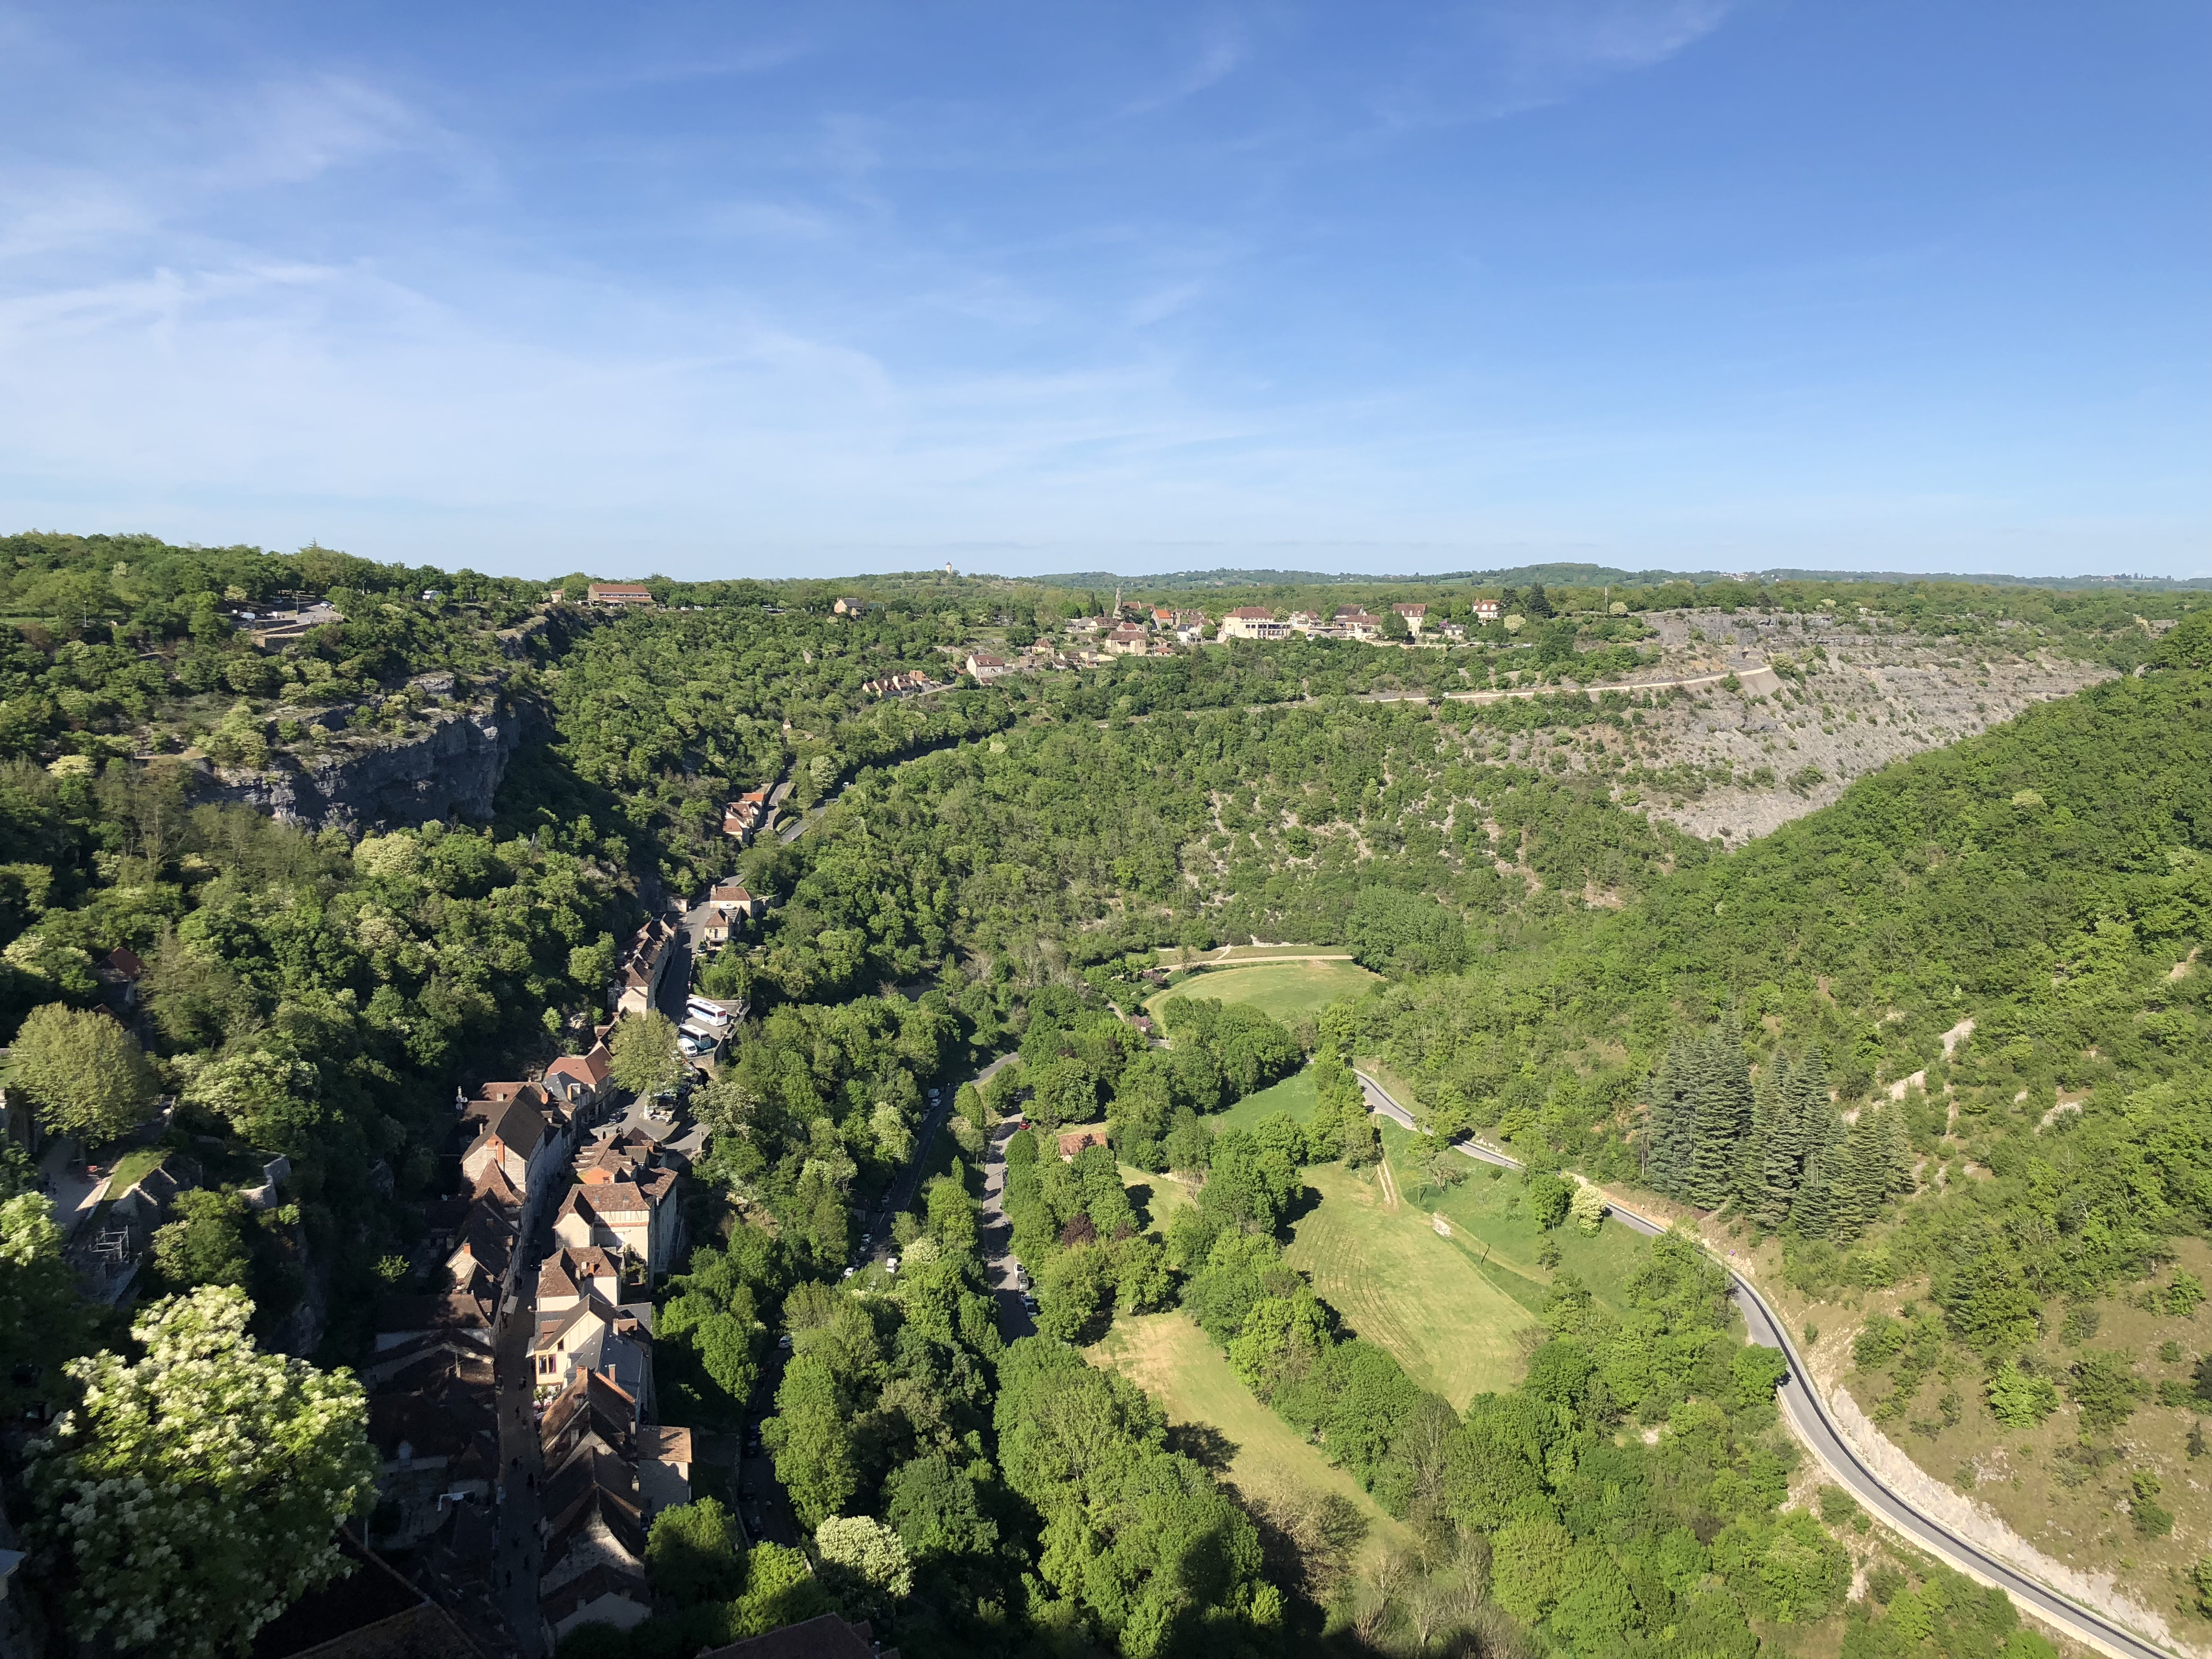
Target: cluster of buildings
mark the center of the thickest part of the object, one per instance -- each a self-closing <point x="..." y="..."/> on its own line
<point x="607" y="1469"/>
<point x="911" y="683"/>
<point x="747" y="815"/>
<point x="1346" y="622"/>
<point x="1126" y="634"/>
<point x="435" y="1402"/>
<point x="730" y="905"/>
<point x="642" y="965"/>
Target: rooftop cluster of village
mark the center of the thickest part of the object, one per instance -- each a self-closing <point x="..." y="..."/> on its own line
<point x="574" y="1330"/>
<point x="1123" y="630"/>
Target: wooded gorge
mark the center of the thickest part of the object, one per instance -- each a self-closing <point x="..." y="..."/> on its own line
<point x="1937" y="1053"/>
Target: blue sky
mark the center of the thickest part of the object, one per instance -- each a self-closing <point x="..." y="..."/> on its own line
<point x="734" y="290"/>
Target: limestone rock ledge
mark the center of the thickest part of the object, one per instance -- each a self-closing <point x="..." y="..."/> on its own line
<point x="452" y="767"/>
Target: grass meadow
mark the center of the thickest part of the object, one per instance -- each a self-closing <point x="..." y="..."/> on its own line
<point x="1288" y="991"/>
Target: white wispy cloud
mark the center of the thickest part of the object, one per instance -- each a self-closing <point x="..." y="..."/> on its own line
<point x="1221" y="48"/>
<point x="1502" y="58"/>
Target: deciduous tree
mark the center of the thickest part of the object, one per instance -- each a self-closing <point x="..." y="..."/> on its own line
<point x="86" y="1074"/>
<point x="198" y="1491"/>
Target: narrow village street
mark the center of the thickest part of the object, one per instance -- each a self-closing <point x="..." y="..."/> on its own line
<point x="521" y="1469"/>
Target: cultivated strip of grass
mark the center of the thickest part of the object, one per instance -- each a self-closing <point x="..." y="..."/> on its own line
<point x="1399" y="1285"/>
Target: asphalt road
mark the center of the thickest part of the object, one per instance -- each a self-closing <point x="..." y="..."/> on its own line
<point x="996" y="1235"/>
<point x="901" y="1193"/>
<point x="1808" y="1414"/>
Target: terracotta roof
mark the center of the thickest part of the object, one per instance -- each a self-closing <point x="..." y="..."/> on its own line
<point x="592" y="1483"/>
<point x="665" y="1442"/>
<point x="571" y="1270"/>
<point x="609" y="1199"/>
<point x="398" y="1314"/>
<point x="518" y="1126"/>
<point x="590" y="1068"/>
<point x="592" y="1403"/>
<point x="371" y="1613"/>
<point x="495" y="1186"/>
<point x="1252" y="613"/>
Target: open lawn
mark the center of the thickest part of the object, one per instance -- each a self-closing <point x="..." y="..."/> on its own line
<point x="1171" y="1359"/>
<point x="1155" y="1198"/>
<point x="1294" y="1094"/>
<point x="1486" y="1215"/>
<point x="1288" y="991"/>
<point x="1260" y="953"/>
<point x="1397" y="1283"/>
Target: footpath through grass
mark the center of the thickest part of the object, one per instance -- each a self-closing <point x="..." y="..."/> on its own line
<point x="1288" y="991"/>
<point x="1400" y="1285"/>
<point x="1171" y="1359"/>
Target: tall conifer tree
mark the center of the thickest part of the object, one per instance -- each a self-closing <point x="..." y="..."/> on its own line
<point x="1670" y="1121"/>
<point x="1770" y="1182"/>
<point x="1766" y="1122"/>
<point x="1721" y="1100"/>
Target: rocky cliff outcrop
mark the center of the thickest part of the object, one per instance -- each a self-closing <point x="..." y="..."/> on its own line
<point x="452" y="766"/>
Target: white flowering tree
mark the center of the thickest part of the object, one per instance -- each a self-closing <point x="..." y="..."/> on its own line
<point x="196" y="1493"/>
<point x="865" y="1564"/>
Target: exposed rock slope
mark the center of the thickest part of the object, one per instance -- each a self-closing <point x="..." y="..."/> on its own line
<point x="451" y="765"/>
<point x="1740" y="764"/>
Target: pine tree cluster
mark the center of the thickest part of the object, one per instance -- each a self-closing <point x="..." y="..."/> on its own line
<point x="1779" y="1150"/>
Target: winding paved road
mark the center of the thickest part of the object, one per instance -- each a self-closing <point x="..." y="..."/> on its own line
<point x="1808" y="1415"/>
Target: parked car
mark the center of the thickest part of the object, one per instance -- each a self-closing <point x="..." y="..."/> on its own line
<point x="891" y="1265"/>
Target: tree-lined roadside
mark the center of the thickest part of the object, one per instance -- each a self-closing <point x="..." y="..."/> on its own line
<point x="1813" y="1422"/>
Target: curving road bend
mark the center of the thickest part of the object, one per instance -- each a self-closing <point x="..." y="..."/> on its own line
<point x="1808" y="1416"/>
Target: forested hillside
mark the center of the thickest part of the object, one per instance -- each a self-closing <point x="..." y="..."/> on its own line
<point x="1946" y="1045"/>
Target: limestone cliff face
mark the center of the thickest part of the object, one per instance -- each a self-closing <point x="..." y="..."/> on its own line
<point x="373" y="780"/>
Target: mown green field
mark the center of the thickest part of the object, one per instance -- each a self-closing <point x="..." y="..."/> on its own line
<point x="1288" y="991"/>
<point x="1398" y="1283"/>
<point x="1294" y="1095"/>
<point x="1487" y="1218"/>
<point x="1171" y="1359"/>
<point x="1156" y="1198"/>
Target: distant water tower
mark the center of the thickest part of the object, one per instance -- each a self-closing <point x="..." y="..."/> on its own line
<point x="949" y="570"/>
